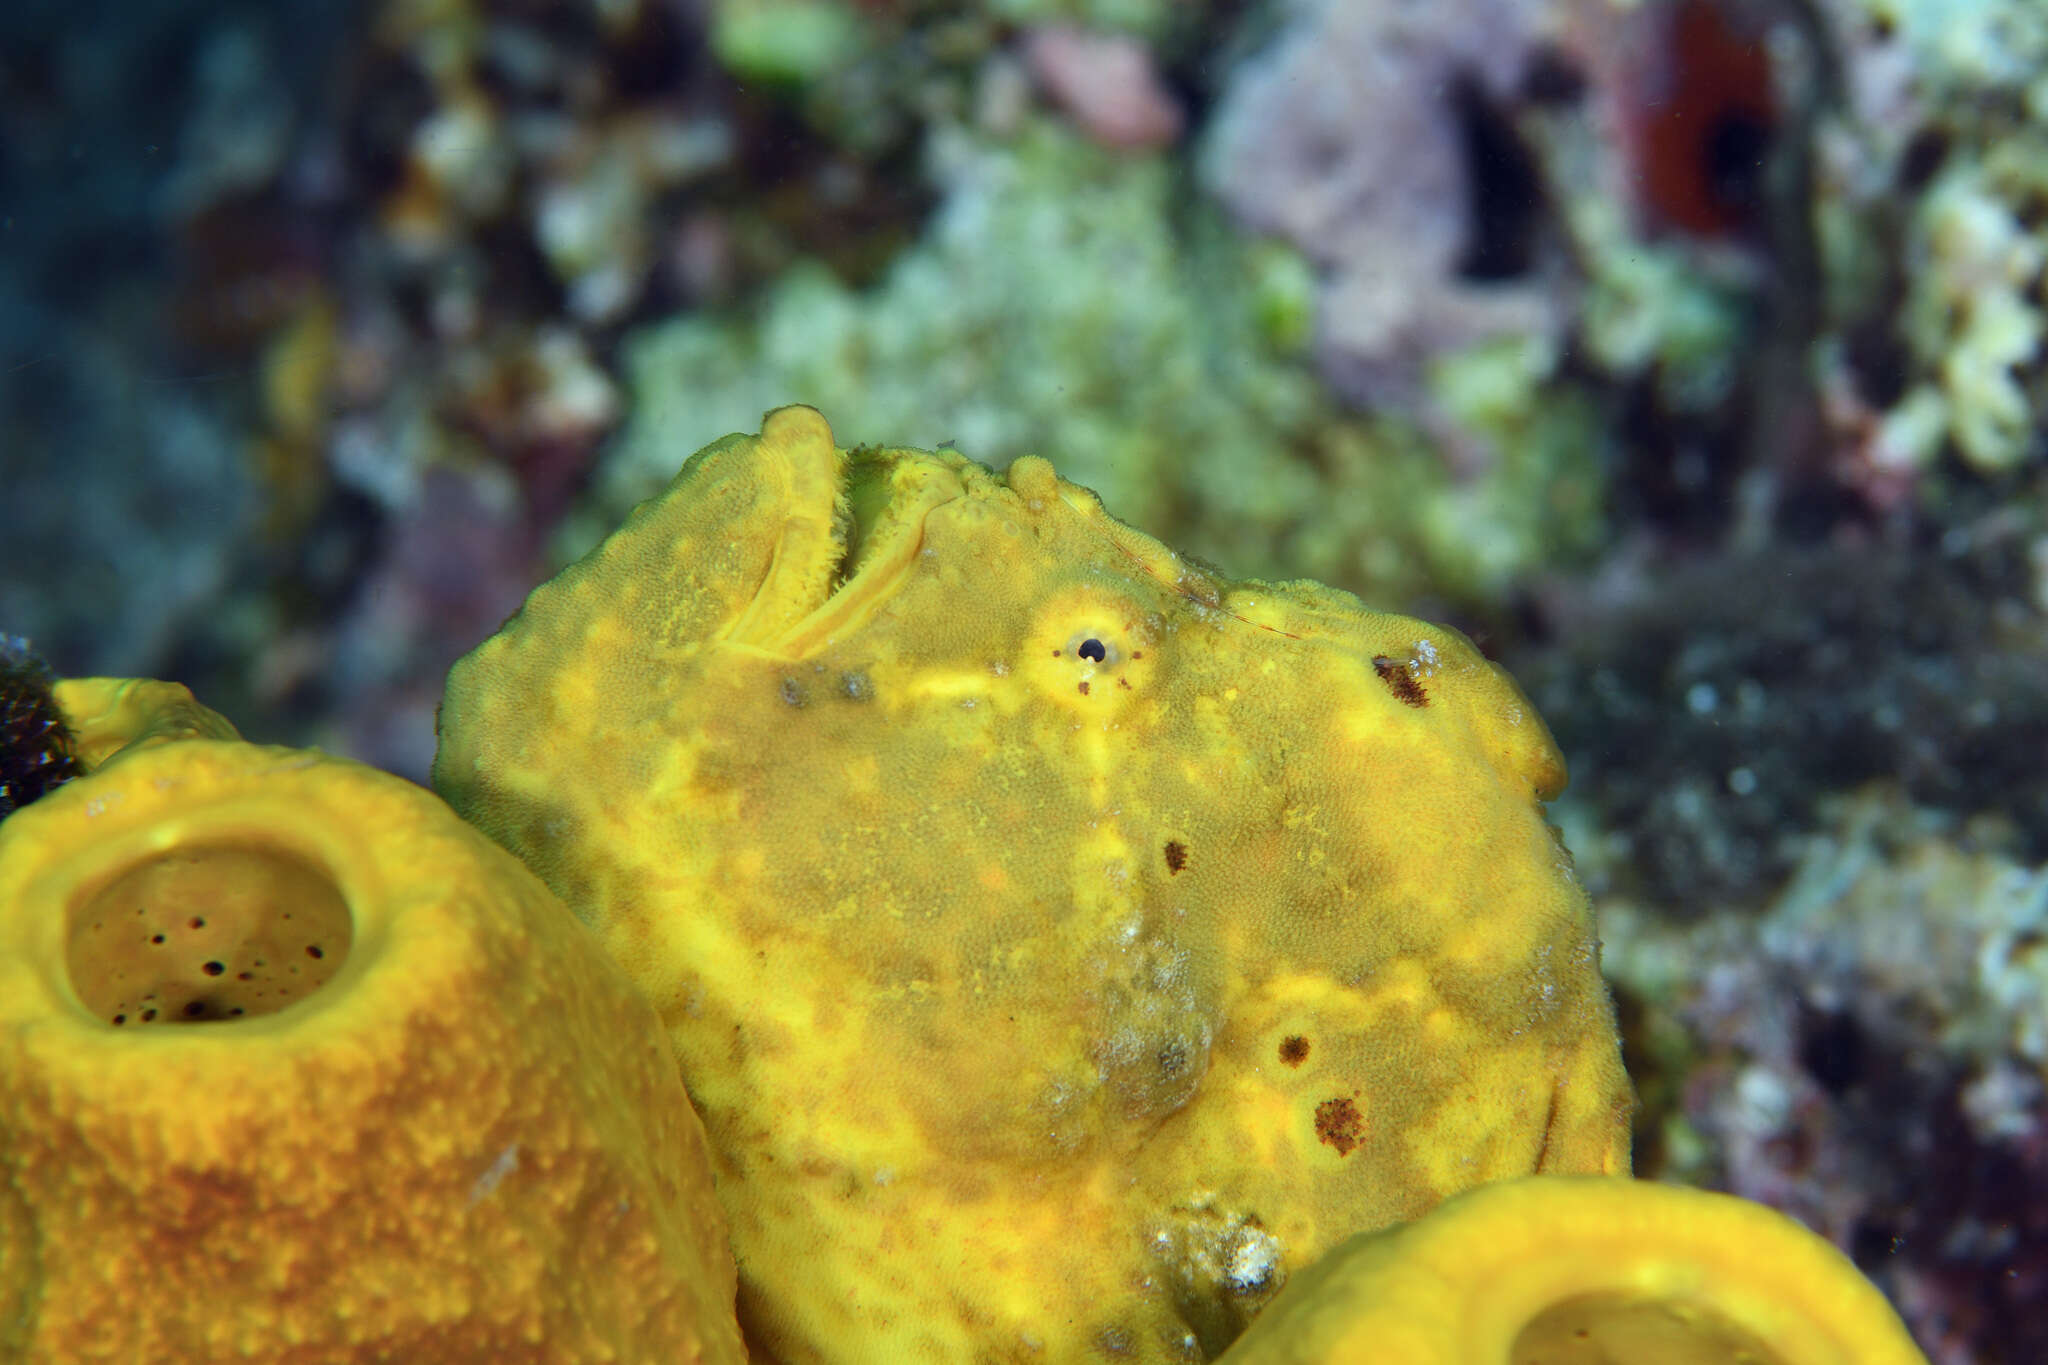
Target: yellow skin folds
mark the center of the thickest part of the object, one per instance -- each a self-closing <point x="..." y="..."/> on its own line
<point x="107" y="716"/>
<point x="1560" y="1270"/>
<point x="296" y="1067"/>
<point x="1063" y="944"/>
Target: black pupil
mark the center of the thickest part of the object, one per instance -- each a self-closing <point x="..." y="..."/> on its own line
<point x="1092" y="649"/>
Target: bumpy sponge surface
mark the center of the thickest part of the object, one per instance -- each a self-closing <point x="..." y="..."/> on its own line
<point x="1063" y="943"/>
<point x="295" y="1066"/>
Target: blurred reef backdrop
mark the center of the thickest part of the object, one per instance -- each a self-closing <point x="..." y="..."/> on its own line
<point x="1688" y="354"/>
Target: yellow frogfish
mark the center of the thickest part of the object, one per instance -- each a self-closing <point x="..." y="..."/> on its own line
<point x="1063" y="944"/>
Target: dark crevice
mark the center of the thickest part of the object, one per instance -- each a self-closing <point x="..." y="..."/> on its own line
<point x="1503" y="188"/>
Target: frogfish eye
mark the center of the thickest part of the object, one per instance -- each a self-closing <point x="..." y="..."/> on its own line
<point x="1092" y="644"/>
<point x="1091" y="648"/>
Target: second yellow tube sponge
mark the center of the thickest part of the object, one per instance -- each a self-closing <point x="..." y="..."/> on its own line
<point x="296" y="1067"/>
<point x="1590" y="1270"/>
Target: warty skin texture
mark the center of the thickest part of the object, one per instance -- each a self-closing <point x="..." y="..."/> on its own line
<point x="1063" y="944"/>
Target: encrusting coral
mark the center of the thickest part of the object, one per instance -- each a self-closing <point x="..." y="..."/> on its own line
<point x="1577" y="1270"/>
<point x="37" y="750"/>
<point x="1063" y="944"/>
<point x="1061" y="297"/>
<point x="295" y="1066"/>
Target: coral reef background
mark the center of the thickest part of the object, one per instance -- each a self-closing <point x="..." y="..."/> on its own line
<point x="1688" y="354"/>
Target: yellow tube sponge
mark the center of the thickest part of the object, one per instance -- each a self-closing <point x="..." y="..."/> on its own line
<point x="1063" y="943"/>
<point x="1583" y="1270"/>
<point x="295" y="1066"/>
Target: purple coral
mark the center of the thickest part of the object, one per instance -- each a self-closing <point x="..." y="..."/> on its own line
<point x="1373" y="137"/>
